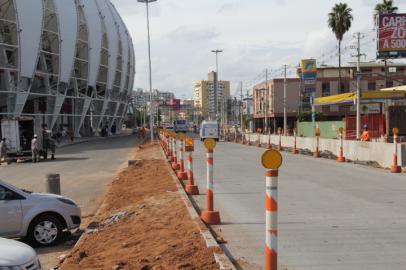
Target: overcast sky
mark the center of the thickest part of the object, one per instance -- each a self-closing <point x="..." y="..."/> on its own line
<point x="254" y="34"/>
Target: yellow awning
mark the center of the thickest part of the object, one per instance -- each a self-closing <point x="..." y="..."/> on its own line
<point x="366" y="96"/>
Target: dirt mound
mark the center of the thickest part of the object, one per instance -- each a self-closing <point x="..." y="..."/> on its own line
<point x="157" y="231"/>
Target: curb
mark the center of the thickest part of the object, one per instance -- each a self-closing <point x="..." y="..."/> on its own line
<point x="91" y="139"/>
<point x="220" y="257"/>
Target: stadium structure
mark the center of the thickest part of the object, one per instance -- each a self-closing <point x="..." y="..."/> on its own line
<point x="66" y="64"/>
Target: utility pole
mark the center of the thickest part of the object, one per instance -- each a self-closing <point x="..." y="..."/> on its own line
<point x="266" y="100"/>
<point x="241" y="108"/>
<point x="151" y="116"/>
<point x="358" y="35"/>
<point x="248" y="115"/>
<point x="285" y="119"/>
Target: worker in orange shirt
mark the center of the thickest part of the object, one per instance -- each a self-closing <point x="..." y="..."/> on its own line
<point x="365" y="134"/>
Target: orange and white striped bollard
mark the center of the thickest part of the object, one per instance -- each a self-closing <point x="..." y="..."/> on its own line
<point x="209" y="216"/>
<point x="316" y="153"/>
<point x="395" y="168"/>
<point x="269" y="139"/>
<point x="341" y="157"/>
<point x="191" y="188"/>
<point x="280" y="139"/>
<point x="259" y="139"/>
<point x="175" y="164"/>
<point x="271" y="160"/>
<point x="182" y="175"/>
<point x="294" y="150"/>
<point x="172" y="155"/>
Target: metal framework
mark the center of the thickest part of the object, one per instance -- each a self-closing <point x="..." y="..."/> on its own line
<point x="68" y="64"/>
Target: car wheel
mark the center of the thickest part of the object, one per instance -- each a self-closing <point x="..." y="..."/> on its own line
<point x="45" y="230"/>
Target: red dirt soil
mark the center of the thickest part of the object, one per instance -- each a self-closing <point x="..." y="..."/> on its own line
<point x="160" y="235"/>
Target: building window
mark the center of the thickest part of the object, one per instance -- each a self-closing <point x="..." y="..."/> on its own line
<point x="345" y="87"/>
<point x="325" y="89"/>
<point x="371" y="85"/>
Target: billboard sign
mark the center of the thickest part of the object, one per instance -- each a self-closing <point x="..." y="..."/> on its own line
<point x="309" y="71"/>
<point x="391" y="36"/>
<point x="309" y="79"/>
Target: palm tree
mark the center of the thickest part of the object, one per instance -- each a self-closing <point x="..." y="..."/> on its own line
<point x="386" y="7"/>
<point x="339" y="20"/>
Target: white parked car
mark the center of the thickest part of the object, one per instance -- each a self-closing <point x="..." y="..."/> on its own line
<point x="39" y="217"/>
<point x="15" y="255"/>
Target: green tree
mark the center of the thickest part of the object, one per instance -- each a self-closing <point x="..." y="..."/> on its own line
<point x="339" y="20"/>
<point x="386" y="7"/>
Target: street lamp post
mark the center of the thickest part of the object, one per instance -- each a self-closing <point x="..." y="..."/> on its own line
<point x="216" y="82"/>
<point x="151" y="116"/>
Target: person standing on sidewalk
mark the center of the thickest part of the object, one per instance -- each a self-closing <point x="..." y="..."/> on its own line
<point x="3" y="150"/>
<point x="52" y="145"/>
<point x="35" y="148"/>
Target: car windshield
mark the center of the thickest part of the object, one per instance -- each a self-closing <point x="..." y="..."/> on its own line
<point x="180" y="122"/>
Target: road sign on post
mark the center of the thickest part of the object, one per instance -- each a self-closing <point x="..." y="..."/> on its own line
<point x="209" y="216"/>
<point x="271" y="160"/>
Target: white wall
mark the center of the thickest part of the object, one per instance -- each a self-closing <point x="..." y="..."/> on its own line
<point x="380" y="152"/>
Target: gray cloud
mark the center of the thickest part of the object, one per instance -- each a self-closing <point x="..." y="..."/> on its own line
<point x="189" y="34"/>
<point x="225" y="8"/>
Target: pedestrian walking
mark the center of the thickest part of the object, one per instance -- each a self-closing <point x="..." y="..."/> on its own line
<point x="35" y="148"/>
<point x="3" y="150"/>
<point x="52" y="145"/>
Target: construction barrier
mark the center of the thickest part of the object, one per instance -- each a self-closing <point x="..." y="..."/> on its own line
<point x="395" y="168"/>
<point x="182" y="175"/>
<point x="191" y="188"/>
<point x="209" y="216"/>
<point x="271" y="160"/>
<point x="341" y="157"/>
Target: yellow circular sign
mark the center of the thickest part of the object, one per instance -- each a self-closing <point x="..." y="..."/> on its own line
<point x="181" y="136"/>
<point x="271" y="159"/>
<point x="341" y="129"/>
<point x="209" y="143"/>
<point x="395" y="131"/>
<point x="189" y="141"/>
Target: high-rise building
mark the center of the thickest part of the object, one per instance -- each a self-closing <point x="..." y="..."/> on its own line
<point x="204" y="95"/>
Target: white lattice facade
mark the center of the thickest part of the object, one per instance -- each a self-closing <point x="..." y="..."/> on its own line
<point x="66" y="63"/>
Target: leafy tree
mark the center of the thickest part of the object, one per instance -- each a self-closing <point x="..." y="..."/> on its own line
<point x="386" y="7"/>
<point x="339" y="20"/>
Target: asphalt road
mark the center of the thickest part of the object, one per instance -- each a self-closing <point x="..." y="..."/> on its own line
<point x="86" y="170"/>
<point x="331" y="216"/>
